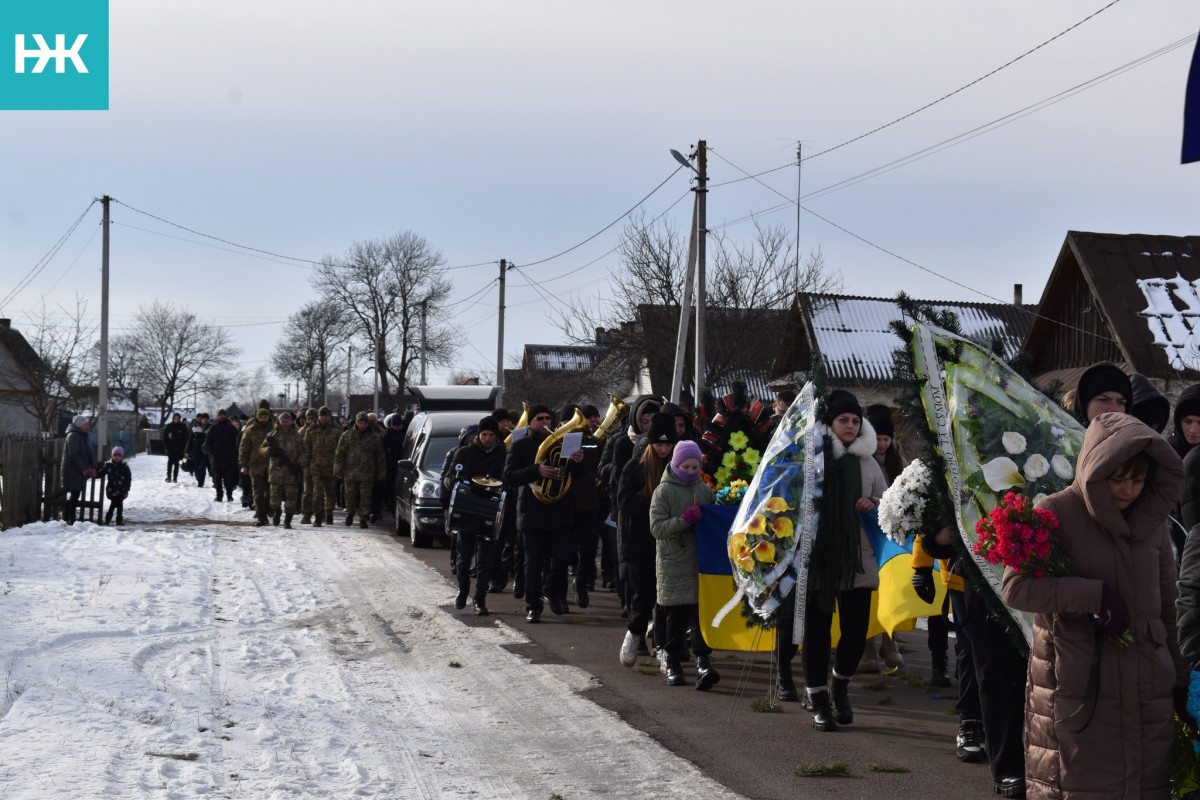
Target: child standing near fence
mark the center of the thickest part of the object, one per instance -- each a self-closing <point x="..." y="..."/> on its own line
<point x="117" y="488"/>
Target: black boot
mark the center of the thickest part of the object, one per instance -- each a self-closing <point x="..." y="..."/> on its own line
<point x="706" y="676"/>
<point x="841" y="700"/>
<point x="674" y="672"/>
<point x="818" y="703"/>
<point x="940" y="676"/>
<point x="275" y="518"/>
<point x="287" y="521"/>
<point x="349" y="519"/>
<point x="787" y="683"/>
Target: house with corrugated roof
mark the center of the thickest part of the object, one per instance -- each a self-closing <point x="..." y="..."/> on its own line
<point x="1133" y="299"/>
<point x="853" y="336"/>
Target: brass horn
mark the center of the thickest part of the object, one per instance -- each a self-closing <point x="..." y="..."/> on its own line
<point x="551" y="490"/>
<point x="618" y="409"/>
<point x="523" y="422"/>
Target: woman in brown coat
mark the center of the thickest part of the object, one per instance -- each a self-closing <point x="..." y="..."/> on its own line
<point x="1107" y="738"/>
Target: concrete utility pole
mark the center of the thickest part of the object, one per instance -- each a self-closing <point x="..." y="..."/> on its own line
<point x="102" y="388"/>
<point x="500" y="337"/>
<point x="349" y="364"/>
<point x="701" y="237"/>
<point x="424" y="334"/>
<point x="685" y="310"/>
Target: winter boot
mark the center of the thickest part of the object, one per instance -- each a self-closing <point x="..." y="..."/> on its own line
<point x="481" y="609"/>
<point x="306" y="519"/>
<point x="841" y="700"/>
<point x="275" y="519"/>
<point x="260" y="522"/>
<point x="787" y="683"/>
<point x="890" y="653"/>
<point x="316" y="523"/>
<point x="818" y="704"/>
<point x="349" y="519"/>
<point x="968" y="745"/>
<point x="674" y="672"/>
<point x="460" y="602"/>
<point x="706" y="676"/>
<point x="287" y="521"/>
<point x="362" y="523"/>
<point x="329" y="518"/>
<point x="940" y="676"/>
<point x="870" y="660"/>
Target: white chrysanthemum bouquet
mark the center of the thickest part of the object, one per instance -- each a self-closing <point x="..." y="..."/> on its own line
<point x="909" y="505"/>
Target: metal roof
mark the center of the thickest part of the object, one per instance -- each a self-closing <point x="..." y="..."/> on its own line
<point x="856" y="343"/>
<point x="563" y="358"/>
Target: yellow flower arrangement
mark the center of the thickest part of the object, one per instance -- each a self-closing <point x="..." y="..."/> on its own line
<point x="738" y="440"/>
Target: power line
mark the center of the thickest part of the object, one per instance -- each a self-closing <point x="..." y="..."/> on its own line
<point x="203" y="244"/>
<point x="37" y="268"/>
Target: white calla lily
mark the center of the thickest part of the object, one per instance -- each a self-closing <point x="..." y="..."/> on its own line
<point x="1036" y="466"/>
<point x="1062" y="467"/>
<point x="1001" y="473"/>
<point x="1013" y="442"/>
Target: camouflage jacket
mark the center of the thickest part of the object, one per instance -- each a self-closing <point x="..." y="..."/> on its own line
<point x="322" y="443"/>
<point x="359" y="456"/>
<point x="250" y="454"/>
<point x="288" y="456"/>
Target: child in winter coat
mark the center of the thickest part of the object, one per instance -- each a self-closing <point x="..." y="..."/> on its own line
<point x="117" y="487"/>
<point x="674" y="512"/>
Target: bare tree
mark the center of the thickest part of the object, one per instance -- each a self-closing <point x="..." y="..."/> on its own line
<point x="180" y="355"/>
<point x="393" y="288"/>
<point x="307" y="345"/>
<point x="746" y="284"/>
<point x="51" y="358"/>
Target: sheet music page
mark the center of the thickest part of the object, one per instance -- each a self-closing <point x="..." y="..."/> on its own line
<point x="571" y="444"/>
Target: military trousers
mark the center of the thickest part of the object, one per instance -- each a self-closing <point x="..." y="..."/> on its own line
<point x="262" y="495"/>
<point x="319" y="493"/>
<point x="358" y="497"/>
<point x="284" y="496"/>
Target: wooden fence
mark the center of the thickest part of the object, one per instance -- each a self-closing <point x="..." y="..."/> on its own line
<point x="31" y="483"/>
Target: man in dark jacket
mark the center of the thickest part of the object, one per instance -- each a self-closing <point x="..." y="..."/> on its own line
<point x="483" y="458"/>
<point x="175" y="438"/>
<point x="197" y="451"/>
<point x="618" y="451"/>
<point x="78" y="464"/>
<point x="545" y="528"/>
<point x="393" y="448"/>
<point x="222" y="443"/>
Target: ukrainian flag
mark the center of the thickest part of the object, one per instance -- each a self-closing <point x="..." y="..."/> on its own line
<point x="894" y="607"/>
<point x="717" y="586"/>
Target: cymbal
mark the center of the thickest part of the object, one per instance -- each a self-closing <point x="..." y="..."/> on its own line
<point x="490" y="483"/>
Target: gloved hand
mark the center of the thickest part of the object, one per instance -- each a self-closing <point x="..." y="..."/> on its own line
<point x="922" y="581"/>
<point x="1113" y="618"/>
<point x="692" y="515"/>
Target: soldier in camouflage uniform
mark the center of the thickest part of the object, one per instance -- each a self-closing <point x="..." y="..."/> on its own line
<point x="289" y="462"/>
<point x="321" y="439"/>
<point x="254" y="461"/>
<point x="310" y="421"/>
<point x="359" y="463"/>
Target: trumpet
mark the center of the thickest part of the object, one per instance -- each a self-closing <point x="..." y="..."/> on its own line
<point x="551" y="490"/>
<point x="618" y="409"/>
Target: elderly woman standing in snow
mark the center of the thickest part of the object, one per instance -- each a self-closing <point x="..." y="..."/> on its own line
<point x="1098" y="718"/>
<point x="78" y="464"/>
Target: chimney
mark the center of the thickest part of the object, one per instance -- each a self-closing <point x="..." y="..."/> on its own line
<point x="1017" y="294"/>
<point x="6" y="324"/>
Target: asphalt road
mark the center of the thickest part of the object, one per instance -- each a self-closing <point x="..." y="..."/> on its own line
<point x="900" y="721"/>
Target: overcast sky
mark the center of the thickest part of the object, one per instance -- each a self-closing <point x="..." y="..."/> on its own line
<point x="517" y="130"/>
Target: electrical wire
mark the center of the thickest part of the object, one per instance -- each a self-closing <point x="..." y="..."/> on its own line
<point x="41" y="263"/>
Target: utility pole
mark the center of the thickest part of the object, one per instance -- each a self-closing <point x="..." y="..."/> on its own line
<point x="102" y="388"/>
<point x="701" y="238"/>
<point x="798" y="163"/>
<point x="424" y="334"/>
<point x="349" y="363"/>
<point x="500" y="337"/>
<point x="685" y="309"/>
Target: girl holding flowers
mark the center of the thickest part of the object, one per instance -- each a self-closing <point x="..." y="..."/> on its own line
<point x="843" y="568"/>
<point x="1099" y="711"/>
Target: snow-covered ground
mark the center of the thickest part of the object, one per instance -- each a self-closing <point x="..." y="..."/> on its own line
<point x="189" y="654"/>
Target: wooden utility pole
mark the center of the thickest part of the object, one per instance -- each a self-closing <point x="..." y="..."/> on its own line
<point x="102" y="387"/>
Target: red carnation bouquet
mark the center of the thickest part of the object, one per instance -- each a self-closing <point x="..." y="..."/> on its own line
<point x="1015" y="534"/>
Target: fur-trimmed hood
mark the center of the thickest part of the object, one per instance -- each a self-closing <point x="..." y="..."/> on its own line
<point x="863" y="447"/>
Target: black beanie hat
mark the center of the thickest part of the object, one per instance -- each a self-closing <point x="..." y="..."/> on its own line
<point x="488" y="423"/>
<point x="880" y="417"/>
<point x="662" y="429"/>
<point x="841" y="402"/>
<point x="538" y="408"/>
<point x="501" y="413"/>
<point x="1103" y="376"/>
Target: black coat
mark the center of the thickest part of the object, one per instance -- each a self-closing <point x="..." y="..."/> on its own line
<point x="635" y="542"/>
<point x="1187" y="607"/>
<point x="175" y="439"/>
<point x="222" y="443"/>
<point x="119" y="479"/>
<point x="196" y="449"/>
<point x="520" y="470"/>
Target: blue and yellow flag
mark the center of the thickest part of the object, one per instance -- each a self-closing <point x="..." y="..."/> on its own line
<point x="717" y="586"/>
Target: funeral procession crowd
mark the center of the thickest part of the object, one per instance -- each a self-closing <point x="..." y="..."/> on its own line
<point x="558" y="503"/>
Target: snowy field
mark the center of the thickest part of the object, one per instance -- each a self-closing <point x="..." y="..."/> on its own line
<point x="189" y="654"/>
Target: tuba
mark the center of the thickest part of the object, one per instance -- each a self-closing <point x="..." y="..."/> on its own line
<point x="523" y="422"/>
<point x="618" y="409"/>
<point x="551" y="490"/>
